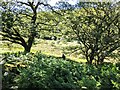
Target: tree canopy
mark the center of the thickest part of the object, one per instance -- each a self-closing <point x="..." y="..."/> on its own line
<point x="21" y="22"/>
<point x="97" y="30"/>
<point x="95" y="26"/>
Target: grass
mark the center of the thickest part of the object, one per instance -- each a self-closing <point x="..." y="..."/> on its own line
<point x="9" y="47"/>
<point x="48" y="47"/>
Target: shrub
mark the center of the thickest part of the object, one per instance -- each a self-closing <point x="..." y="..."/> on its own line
<point x="11" y="65"/>
<point x="48" y="72"/>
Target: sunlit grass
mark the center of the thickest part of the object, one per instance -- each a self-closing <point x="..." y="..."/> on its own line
<point x="48" y="47"/>
<point x="13" y="48"/>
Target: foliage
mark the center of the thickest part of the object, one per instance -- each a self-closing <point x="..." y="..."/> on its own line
<point x="48" y="72"/>
<point x="10" y="68"/>
<point x="21" y="23"/>
<point x="96" y="30"/>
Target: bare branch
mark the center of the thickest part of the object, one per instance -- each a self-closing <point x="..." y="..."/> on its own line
<point x="13" y="41"/>
<point x="23" y="3"/>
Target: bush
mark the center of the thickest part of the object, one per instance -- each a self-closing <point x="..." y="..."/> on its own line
<point x="11" y="65"/>
<point x="48" y="72"/>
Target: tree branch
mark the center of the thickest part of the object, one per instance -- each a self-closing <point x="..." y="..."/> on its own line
<point x="49" y="6"/>
<point x="23" y="3"/>
<point x="21" y="39"/>
<point x="13" y="41"/>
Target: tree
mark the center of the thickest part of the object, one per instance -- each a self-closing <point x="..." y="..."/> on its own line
<point x="20" y="22"/>
<point x="97" y="30"/>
